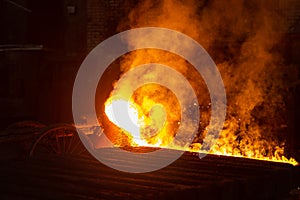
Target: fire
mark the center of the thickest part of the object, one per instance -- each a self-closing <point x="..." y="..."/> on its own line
<point x="252" y="75"/>
<point x="145" y="120"/>
<point x="129" y="117"/>
<point x="117" y="108"/>
<point x="151" y="116"/>
<point x="135" y="123"/>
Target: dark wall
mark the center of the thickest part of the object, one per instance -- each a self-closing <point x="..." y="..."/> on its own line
<point x="18" y="79"/>
<point x="37" y="84"/>
<point x="46" y="23"/>
<point x="14" y="22"/>
<point x="41" y="81"/>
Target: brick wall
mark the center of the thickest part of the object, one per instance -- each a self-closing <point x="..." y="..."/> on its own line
<point x="103" y="17"/>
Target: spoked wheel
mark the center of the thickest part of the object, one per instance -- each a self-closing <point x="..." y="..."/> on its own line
<point x="60" y="139"/>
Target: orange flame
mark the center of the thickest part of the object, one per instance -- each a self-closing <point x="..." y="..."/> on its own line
<point x="143" y="123"/>
<point x="251" y="72"/>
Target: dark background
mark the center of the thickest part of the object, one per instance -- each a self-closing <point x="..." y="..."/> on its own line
<point x="43" y="42"/>
<point x="42" y="46"/>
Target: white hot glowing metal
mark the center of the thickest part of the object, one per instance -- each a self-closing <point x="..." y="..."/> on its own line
<point x="125" y="115"/>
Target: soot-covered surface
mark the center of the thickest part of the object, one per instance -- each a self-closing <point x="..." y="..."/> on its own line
<point x="51" y="176"/>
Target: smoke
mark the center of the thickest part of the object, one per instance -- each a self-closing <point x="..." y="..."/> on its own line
<point x="243" y="38"/>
